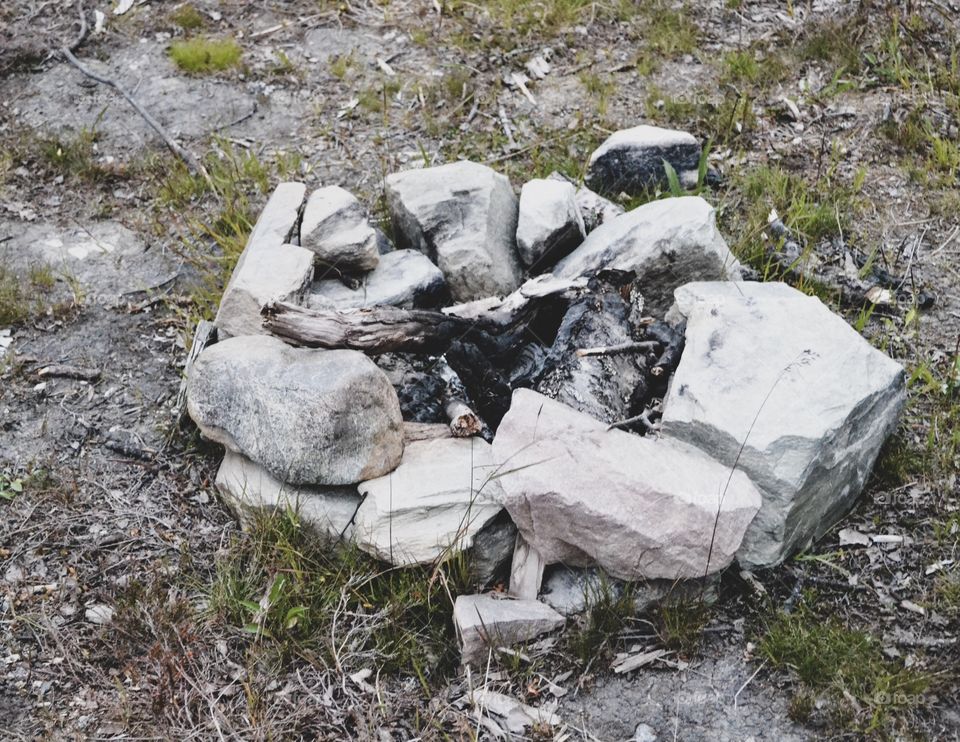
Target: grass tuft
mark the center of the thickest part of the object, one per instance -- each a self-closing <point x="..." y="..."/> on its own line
<point x="846" y="667"/>
<point x="297" y="596"/>
<point x="187" y="17"/>
<point x="200" y="56"/>
<point x="24" y="296"/>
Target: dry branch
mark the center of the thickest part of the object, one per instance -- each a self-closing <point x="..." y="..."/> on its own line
<point x="376" y="330"/>
<point x="68" y="53"/>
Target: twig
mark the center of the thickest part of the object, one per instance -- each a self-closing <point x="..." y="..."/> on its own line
<point x="605" y="350"/>
<point x="69" y="372"/>
<point x="67" y="52"/>
<point x="643" y="417"/>
<point x="747" y="682"/>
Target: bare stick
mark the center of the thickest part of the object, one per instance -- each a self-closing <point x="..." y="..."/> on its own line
<point x="374" y="330"/>
<point x="643" y="417"/>
<point x="424" y="431"/>
<point x="67" y="53"/>
<point x="69" y="372"/>
<point x="606" y="350"/>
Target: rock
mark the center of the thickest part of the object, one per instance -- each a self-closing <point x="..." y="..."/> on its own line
<point x="571" y="590"/>
<point x="486" y="622"/>
<point x="808" y="446"/>
<point x="526" y="570"/>
<point x="336" y="229"/>
<point x="268" y="269"/>
<point x="463" y="216"/>
<point x="248" y="490"/>
<point x="631" y="160"/>
<point x="596" y="209"/>
<point x="403" y="278"/>
<point x="665" y="243"/>
<point x="99" y="614"/>
<point x="517" y="716"/>
<point x="549" y="225"/>
<point x="435" y="501"/>
<point x="638" y="508"/>
<point x="492" y="550"/>
<point x="308" y="416"/>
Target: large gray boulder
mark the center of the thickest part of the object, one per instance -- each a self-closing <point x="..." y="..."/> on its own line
<point x="308" y="416"/>
<point x="631" y="160"/>
<point x="549" y="226"/>
<point x="250" y="490"/>
<point x="403" y="278"/>
<point x="463" y="216"/>
<point x="268" y="270"/>
<point x="435" y="502"/>
<point x="773" y="381"/>
<point x="335" y="228"/>
<point x="639" y="508"/>
<point x="666" y="243"/>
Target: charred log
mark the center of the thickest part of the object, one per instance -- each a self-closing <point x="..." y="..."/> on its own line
<point x="599" y="385"/>
<point x="486" y="385"/>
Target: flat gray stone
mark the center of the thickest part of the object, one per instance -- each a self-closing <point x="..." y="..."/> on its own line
<point x="248" y="490"/>
<point x="308" y="416"/>
<point x="463" y="216"/>
<point x="549" y="225"/>
<point x="336" y="229"/>
<point x="268" y="269"/>
<point x="631" y="160"/>
<point x="666" y="243"/>
<point x="487" y="622"/>
<point x="403" y="278"/>
<point x="639" y="508"/>
<point x="810" y="402"/>
<point x="432" y="504"/>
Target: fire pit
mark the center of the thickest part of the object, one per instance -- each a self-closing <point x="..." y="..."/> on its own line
<point x="536" y="381"/>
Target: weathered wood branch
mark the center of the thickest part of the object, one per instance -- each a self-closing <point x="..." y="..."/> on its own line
<point x="375" y="330"/>
<point x="464" y="422"/>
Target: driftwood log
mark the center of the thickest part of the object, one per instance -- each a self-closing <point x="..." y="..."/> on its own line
<point x="376" y="330"/>
<point x="497" y="325"/>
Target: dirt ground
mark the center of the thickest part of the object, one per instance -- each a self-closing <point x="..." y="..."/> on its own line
<point x="107" y="553"/>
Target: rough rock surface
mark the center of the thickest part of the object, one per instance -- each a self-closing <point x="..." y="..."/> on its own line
<point x="492" y="550"/>
<point x="594" y="208"/>
<point x="268" y="269"/>
<point x="571" y="590"/>
<point x="247" y="488"/>
<point x="403" y="278"/>
<point x="439" y="497"/>
<point x="336" y="229"/>
<point x="631" y="160"/>
<point x="486" y="622"/>
<point x="808" y="446"/>
<point x="308" y="416"/>
<point x="639" y="508"/>
<point x="463" y="216"/>
<point x="549" y="225"/>
<point x="666" y="243"/>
